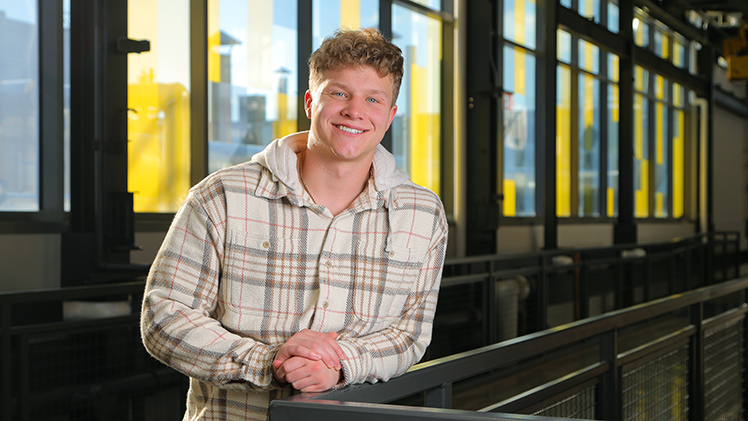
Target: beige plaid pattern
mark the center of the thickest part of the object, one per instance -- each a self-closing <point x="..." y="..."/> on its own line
<point x="248" y="262"/>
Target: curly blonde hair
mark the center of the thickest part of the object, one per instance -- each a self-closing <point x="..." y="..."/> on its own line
<point x="365" y="47"/>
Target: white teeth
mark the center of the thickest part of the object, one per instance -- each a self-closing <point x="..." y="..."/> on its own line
<point x="350" y="130"/>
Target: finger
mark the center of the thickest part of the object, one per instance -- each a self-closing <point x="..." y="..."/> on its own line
<point x="292" y="350"/>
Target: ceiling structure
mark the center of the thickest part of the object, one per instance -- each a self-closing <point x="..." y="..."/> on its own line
<point x="719" y="19"/>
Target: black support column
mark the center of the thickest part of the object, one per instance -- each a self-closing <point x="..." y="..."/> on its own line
<point x="97" y="247"/>
<point x="483" y="123"/>
<point x="625" y="231"/>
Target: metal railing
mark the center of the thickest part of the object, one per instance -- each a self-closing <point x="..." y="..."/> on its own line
<point x="488" y="299"/>
<point x="675" y="358"/>
<point x="95" y="368"/>
<point x="81" y="367"/>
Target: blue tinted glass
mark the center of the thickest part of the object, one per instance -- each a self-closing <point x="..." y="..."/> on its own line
<point x="19" y="106"/>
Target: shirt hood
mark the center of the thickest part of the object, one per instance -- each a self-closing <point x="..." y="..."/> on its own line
<point x="279" y="157"/>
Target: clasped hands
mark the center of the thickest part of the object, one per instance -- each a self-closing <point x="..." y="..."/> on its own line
<point x="309" y="361"/>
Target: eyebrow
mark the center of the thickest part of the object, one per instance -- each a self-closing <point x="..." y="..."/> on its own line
<point x="345" y="87"/>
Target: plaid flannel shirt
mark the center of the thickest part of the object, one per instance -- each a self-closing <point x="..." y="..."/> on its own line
<point x="250" y="260"/>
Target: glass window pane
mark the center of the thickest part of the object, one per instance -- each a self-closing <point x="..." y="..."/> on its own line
<point x="434" y="4"/>
<point x="613" y="119"/>
<point x="661" y="42"/>
<point x="566" y="3"/>
<point x="613" y="67"/>
<point x="19" y="106"/>
<point x="352" y="14"/>
<point x="589" y="56"/>
<point x="590" y="9"/>
<point x="66" y="102"/>
<point x="159" y="103"/>
<point x="679" y="52"/>
<point x="563" y="40"/>
<point x="613" y="17"/>
<point x="679" y="176"/>
<point x="563" y="141"/>
<point x="519" y="132"/>
<point x="252" y="74"/>
<point x="589" y="145"/>
<point x="641" y="79"/>
<point x="520" y="22"/>
<point x="641" y="156"/>
<point x="661" y="167"/>
<point x="416" y="129"/>
<point x="641" y="31"/>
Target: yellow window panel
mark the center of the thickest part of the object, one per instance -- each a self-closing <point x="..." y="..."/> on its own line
<point x="615" y="101"/>
<point x="638" y="126"/>
<point x="641" y="196"/>
<point x="659" y="136"/>
<point x="214" y="41"/>
<point x="424" y="133"/>
<point x="350" y="14"/>
<point x="611" y="201"/>
<point x="563" y="146"/>
<point x="660" y="205"/>
<point x="519" y="21"/>
<point x="510" y="198"/>
<point x="679" y="175"/>
<point x="519" y="71"/>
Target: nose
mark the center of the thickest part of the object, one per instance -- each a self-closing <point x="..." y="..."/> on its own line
<point x="353" y="109"/>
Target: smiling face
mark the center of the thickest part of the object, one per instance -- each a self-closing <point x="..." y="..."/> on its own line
<point x="351" y="109"/>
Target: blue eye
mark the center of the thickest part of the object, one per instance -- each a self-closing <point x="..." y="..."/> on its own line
<point x="373" y="100"/>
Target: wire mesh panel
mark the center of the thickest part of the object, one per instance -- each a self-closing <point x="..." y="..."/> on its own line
<point x="724" y="371"/>
<point x="657" y="389"/>
<point x="93" y="374"/>
<point x="580" y="405"/>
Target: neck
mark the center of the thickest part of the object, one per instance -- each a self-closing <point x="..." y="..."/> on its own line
<point x="334" y="186"/>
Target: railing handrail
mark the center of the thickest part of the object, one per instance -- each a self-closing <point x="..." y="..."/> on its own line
<point x="570" y="250"/>
<point x="431" y="374"/>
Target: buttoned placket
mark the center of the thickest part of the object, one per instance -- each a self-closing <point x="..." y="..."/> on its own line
<point x="325" y="267"/>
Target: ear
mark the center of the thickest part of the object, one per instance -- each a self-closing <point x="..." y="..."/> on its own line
<point x="308" y="104"/>
<point x="393" y="111"/>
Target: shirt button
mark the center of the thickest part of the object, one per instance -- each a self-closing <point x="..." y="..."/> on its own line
<point x="328" y="263"/>
<point x="325" y="304"/>
<point x="391" y="253"/>
<point x="266" y="245"/>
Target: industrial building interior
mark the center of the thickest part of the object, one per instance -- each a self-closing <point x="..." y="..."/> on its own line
<point x="592" y="157"/>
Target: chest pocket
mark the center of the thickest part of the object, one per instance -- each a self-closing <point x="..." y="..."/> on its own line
<point x="263" y="284"/>
<point x="381" y="291"/>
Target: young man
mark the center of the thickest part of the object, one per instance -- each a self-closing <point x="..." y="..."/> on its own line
<point x="315" y="265"/>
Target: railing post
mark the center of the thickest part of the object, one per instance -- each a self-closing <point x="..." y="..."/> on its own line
<point x="542" y="305"/>
<point x="745" y="370"/>
<point x="610" y="393"/>
<point x="492" y="308"/>
<point x="440" y="397"/>
<point x="5" y="357"/>
<point x="584" y="288"/>
<point x="24" y="380"/>
<point x="696" y="405"/>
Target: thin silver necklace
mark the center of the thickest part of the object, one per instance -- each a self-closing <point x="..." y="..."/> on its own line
<point x="303" y="183"/>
